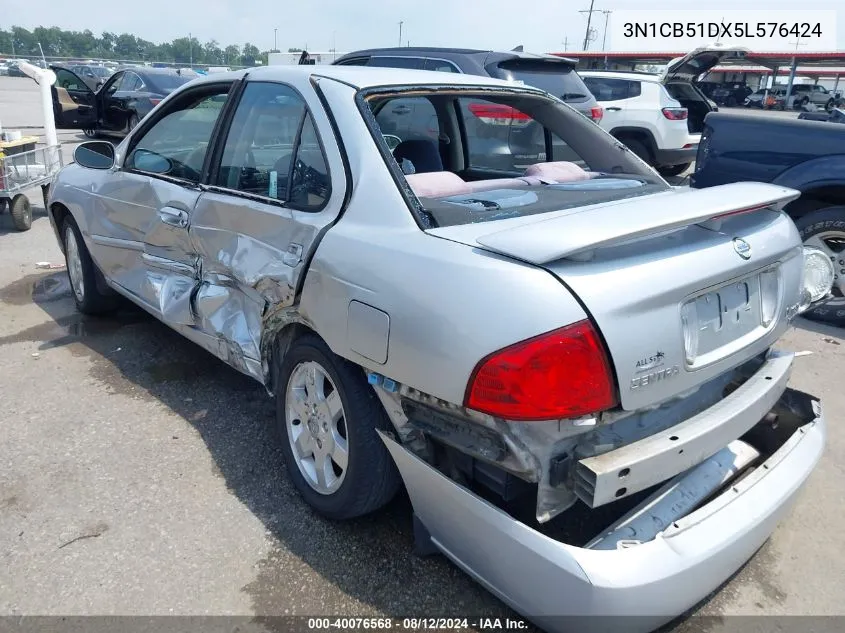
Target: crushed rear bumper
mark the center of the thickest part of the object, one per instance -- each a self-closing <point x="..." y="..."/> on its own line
<point x="562" y="587"/>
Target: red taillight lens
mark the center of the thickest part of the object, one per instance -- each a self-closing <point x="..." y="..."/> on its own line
<point x="675" y="114"/>
<point x="561" y="374"/>
<point x="596" y="113"/>
<point x="498" y="114"/>
<point x="154" y="101"/>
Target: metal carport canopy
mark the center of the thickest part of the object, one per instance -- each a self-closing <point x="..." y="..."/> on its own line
<point x="769" y="60"/>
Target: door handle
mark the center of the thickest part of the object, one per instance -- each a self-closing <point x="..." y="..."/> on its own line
<point x="613" y="109"/>
<point x="173" y="217"/>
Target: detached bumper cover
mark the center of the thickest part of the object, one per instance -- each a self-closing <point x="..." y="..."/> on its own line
<point x="556" y="585"/>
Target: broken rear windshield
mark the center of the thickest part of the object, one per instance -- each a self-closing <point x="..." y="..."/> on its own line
<point x="468" y="156"/>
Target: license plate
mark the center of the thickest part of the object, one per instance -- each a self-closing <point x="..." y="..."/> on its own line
<point x="719" y="322"/>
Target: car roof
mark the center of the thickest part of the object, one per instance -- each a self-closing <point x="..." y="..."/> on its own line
<point x="487" y="55"/>
<point x="364" y="76"/>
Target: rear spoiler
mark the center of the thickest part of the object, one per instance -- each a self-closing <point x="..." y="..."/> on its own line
<point x="575" y="235"/>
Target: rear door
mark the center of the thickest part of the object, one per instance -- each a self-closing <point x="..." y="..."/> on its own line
<point x="277" y="184"/>
<point x="109" y="120"/>
<point x="74" y="103"/>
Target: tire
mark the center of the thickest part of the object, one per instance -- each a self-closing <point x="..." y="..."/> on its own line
<point x="81" y="268"/>
<point x="4" y="202"/>
<point x="673" y="170"/>
<point x="21" y="211"/>
<point x="828" y="227"/>
<point x="90" y="133"/>
<point x="132" y="122"/>
<point x="639" y="148"/>
<point x="369" y="479"/>
<point x="829" y="105"/>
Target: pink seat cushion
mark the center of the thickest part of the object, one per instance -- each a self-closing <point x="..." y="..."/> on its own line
<point x="437" y="184"/>
<point x="560" y="171"/>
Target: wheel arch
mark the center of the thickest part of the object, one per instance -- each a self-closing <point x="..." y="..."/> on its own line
<point x="58" y="212"/>
<point x="639" y="133"/>
<point x="815" y="197"/>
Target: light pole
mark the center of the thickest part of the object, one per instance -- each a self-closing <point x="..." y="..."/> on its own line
<point x="604" y="37"/>
<point x="589" y="20"/>
<point x="275" y="40"/>
<point x="400" y="32"/>
<point x="191" y="48"/>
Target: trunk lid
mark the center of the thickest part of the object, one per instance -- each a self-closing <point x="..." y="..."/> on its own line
<point x="679" y="295"/>
<point x="700" y="61"/>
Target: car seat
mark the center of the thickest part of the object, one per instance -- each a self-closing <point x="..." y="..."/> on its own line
<point x="422" y="153"/>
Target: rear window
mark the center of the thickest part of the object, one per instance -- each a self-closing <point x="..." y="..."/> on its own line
<point x="556" y="78"/>
<point x="168" y="83"/>
<point x="607" y="89"/>
<point x="473" y="157"/>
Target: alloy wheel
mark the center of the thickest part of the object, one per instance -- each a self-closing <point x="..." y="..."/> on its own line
<point x="74" y="264"/>
<point x="316" y="427"/>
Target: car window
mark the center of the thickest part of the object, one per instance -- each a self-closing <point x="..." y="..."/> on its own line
<point x="114" y="84"/>
<point x="606" y="89"/>
<point x="310" y="182"/>
<point x="258" y="156"/>
<point x="556" y="78"/>
<point x="441" y="66"/>
<point x="501" y="138"/>
<point x="409" y="119"/>
<point x="357" y="61"/>
<point x="130" y="83"/>
<point x="69" y="81"/>
<point x="177" y="143"/>
<point x="397" y="62"/>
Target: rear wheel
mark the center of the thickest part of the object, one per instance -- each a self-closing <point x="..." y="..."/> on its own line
<point x="327" y="416"/>
<point x="825" y="229"/>
<point x="639" y="148"/>
<point x="673" y="170"/>
<point x="83" y="274"/>
<point x="829" y="105"/>
<point x="132" y="123"/>
<point x="90" y="133"/>
<point x="21" y="211"/>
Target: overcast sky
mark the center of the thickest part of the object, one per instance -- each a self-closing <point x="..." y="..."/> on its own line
<point x="540" y="25"/>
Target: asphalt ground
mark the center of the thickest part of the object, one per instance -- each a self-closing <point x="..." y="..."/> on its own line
<point x="141" y="476"/>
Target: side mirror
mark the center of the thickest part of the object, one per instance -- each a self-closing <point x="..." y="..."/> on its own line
<point x="95" y="155"/>
<point x="150" y="162"/>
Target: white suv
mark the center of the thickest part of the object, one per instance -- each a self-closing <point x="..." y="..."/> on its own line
<point x="640" y="111"/>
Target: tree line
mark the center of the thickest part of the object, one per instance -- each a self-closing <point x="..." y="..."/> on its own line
<point x="56" y="42"/>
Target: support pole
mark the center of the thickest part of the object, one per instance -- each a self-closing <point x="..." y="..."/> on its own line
<point x="787" y="104"/>
<point x="45" y="78"/>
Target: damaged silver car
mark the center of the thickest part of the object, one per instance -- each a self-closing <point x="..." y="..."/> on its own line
<point x="568" y="363"/>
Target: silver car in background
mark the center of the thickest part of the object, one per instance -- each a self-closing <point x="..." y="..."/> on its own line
<point x="570" y="366"/>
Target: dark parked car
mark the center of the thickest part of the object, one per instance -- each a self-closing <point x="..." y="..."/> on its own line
<point x="508" y="139"/>
<point x="799" y="154"/>
<point x="117" y="107"/>
<point x="15" y="70"/>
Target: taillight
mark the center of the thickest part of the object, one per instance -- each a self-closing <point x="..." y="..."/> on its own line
<point x="155" y="101"/>
<point x="596" y="113"/>
<point x="561" y="374"/>
<point x="675" y="114"/>
<point x="498" y="114"/>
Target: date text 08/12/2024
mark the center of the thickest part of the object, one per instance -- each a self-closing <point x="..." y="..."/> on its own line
<point x="416" y="624"/>
<point x="720" y="30"/>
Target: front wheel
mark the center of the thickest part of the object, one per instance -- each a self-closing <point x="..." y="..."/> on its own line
<point x="132" y="123"/>
<point x="673" y="170"/>
<point x="639" y="148"/>
<point x="829" y="106"/>
<point x="83" y="273"/>
<point x="327" y="415"/>
<point x="90" y="133"/>
<point x="825" y="229"/>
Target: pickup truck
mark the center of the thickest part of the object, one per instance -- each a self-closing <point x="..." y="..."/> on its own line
<point x="800" y="154"/>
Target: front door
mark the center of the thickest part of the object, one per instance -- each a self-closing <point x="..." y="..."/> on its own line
<point x="74" y="103"/>
<point x="108" y="104"/>
<point x="268" y="200"/>
<point x="140" y="230"/>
